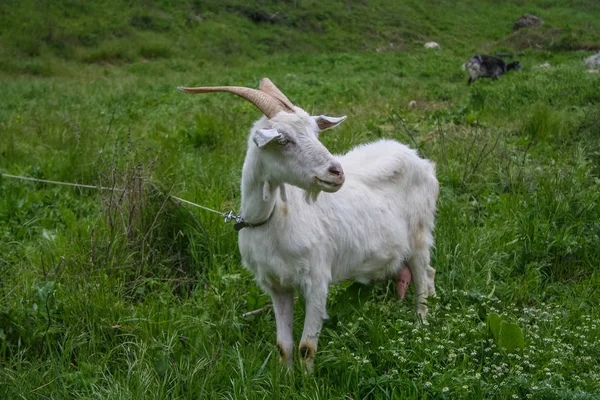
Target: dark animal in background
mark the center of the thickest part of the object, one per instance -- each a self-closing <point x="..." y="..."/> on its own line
<point x="483" y="65"/>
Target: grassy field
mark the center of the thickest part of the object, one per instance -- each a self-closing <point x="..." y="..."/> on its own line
<point x="128" y="295"/>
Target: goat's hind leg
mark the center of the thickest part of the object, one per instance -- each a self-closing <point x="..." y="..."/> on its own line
<point x="420" y="270"/>
<point x="430" y="281"/>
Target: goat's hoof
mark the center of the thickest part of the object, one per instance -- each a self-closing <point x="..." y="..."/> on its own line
<point x="281" y="351"/>
<point x="422" y="319"/>
<point x="304" y="352"/>
<point x="307" y="360"/>
<point x="307" y="351"/>
<point x="309" y="366"/>
<point x="422" y="314"/>
<point x="307" y="356"/>
<point x="284" y="356"/>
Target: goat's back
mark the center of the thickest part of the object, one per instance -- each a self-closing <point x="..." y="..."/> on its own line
<point x="393" y="169"/>
<point x="386" y="161"/>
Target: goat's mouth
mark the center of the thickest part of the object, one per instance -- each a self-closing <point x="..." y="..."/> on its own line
<point x="328" y="186"/>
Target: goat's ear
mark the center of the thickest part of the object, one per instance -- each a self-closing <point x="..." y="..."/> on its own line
<point x="262" y="137"/>
<point x="324" y="122"/>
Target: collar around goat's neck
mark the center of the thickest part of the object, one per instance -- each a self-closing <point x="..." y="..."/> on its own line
<point x="241" y="224"/>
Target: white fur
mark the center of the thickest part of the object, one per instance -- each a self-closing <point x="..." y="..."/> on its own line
<point x="381" y="217"/>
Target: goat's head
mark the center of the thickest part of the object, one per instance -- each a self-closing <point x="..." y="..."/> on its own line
<point x="286" y="139"/>
<point x="513" y="65"/>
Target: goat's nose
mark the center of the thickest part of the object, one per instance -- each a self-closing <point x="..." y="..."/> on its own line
<point x="335" y="170"/>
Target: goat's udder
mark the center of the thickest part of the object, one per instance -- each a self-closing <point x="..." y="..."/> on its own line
<point x="403" y="280"/>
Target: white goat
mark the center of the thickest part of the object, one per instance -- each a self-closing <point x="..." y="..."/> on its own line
<point x="380" y="216"/>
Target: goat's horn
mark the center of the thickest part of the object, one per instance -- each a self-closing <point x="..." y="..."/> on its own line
<point x="266" y="103"/>
<point x="269" y="87"/>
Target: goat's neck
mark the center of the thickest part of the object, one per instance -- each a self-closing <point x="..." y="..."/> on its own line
<point x="258" y="194"/>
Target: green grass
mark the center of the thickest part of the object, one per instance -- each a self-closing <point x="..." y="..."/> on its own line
<point x="112" y="296"/>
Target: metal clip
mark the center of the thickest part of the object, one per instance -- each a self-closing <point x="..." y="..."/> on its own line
<point x="230" y="216"/>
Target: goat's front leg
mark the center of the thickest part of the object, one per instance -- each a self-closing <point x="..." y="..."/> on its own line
<point x="316" y="312"/>
<point x="283" y="306"/>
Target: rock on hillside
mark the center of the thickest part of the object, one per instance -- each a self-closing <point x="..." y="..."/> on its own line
<point x="593" y="61"/>
<point x="432" y="45"/>
<point x="526" y="21"/>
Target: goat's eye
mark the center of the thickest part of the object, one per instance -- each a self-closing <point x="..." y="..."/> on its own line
<point x="283" y="141"/>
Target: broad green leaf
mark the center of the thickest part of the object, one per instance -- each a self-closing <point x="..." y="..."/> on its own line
<point x="494" y="322"/>
<point x="511" y="337"/>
